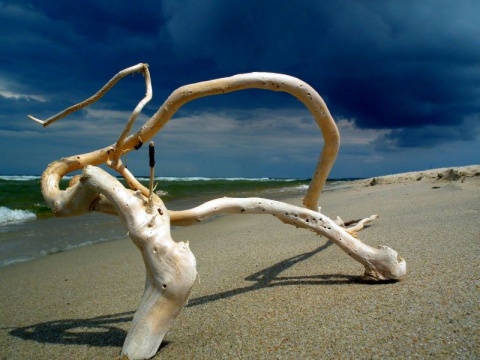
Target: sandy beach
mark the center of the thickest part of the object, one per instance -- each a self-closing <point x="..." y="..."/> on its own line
<point x="270" y="291"/>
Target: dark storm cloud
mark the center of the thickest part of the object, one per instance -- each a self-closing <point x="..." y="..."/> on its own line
<point x="411" y="67"/>
<point x="427" y="136"/>
<point x="386" y="64"/>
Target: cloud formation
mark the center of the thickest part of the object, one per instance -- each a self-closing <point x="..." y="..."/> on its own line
<point x="405" y="73"/>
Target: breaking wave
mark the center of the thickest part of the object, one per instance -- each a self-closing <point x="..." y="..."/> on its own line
<point x="8" y="215"/>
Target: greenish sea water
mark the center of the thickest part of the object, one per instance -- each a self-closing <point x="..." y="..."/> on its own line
<point x="28" y="229"/>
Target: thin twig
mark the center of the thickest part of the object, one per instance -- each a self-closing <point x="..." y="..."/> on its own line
<point x="135" y="113"/>
<point x="93" y="98"/>
<point x="267" y="81"/>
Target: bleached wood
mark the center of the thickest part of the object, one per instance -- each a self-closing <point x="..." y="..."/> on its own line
<point x="380" y="263"/>
<point x="170" y="266"/>
<point x="99" y="94"/>
<point x="267" y="81"/>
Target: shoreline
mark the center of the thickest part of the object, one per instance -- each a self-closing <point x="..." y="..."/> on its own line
<point x="268" y="290"/>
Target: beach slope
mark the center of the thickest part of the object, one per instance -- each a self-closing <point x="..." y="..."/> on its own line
<point x="269" y="290"/>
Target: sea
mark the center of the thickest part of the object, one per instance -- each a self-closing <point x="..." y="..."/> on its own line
<point x="29" y="230"/>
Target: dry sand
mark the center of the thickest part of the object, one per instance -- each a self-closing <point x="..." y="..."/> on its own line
<point x="270" y="291"/>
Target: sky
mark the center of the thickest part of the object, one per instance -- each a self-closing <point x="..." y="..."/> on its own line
<point x="400" y="78"/>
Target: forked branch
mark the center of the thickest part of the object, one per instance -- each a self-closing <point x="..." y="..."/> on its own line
<point x="267" y="81"/>
<point x="380" y="263"/>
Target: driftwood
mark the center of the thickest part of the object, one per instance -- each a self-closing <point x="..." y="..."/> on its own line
<point x="170" y="266"/>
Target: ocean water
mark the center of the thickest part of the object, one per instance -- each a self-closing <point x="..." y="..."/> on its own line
<point x="28" y="229"/>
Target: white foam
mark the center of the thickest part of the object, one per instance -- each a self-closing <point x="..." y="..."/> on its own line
<point x="18" y="177"/>
<point x="8" y="215"/>
<point x="200" y="178"/>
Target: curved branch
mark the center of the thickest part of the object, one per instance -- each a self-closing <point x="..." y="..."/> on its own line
<point x="138" y="109"/>
<point x="267" y="81"/>
<point x="106" y="88"/>
<point x="382" y="263"/>
<point x="170" y="266"/>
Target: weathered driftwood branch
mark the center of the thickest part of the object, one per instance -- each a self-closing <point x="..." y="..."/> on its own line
<point x="170" y="266"/>
<point x="382" y="263"/>
<point x="110" y="155"/>
<point x="143" y="68"/>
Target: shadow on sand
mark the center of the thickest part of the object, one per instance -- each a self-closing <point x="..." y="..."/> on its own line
<point x="102" y="330"/>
